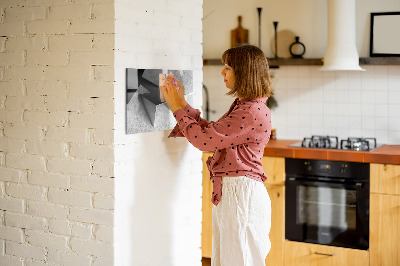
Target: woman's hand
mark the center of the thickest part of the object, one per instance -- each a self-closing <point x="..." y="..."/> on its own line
<point x="172" y="93"/>
<point x="181" y="90"/>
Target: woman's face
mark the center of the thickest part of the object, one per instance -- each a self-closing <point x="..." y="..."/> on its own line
<point x="229" y="76"/>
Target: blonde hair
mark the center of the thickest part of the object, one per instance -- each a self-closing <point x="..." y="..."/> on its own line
<point x="250" y="66"/>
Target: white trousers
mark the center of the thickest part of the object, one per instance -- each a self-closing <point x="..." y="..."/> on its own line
<point x="241" y="223"/>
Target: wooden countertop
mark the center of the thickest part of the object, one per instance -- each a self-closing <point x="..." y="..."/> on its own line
<point x="389" y="154"/>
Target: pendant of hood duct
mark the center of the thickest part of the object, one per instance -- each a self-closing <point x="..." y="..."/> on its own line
<point x="341" y="51"/>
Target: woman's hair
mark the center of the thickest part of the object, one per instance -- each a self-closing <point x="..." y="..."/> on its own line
<point x="250" y="66"/>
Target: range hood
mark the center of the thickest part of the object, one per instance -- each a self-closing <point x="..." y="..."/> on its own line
<point x="341" y="51"/>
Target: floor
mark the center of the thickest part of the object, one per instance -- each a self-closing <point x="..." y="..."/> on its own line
<point x="206" y="261"/>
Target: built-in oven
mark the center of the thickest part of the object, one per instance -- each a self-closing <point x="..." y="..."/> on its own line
<point x="327" y="202"/>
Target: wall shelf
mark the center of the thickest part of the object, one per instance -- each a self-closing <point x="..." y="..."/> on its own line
<point x="274" y="63"/>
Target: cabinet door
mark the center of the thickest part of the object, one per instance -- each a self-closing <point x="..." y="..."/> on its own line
<point x="277" y="233"/>
<point x="274" y="168"/>
<point x="206" y="232"/>
<point x="384" y="229"/>
<point x="305" y="254"/>
<point x="385" y="178"/>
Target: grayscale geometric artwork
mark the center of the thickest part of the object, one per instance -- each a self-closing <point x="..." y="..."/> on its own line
<point x="146" y="109"/>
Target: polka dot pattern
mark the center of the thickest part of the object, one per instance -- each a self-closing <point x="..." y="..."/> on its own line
<point x="238" y="139"/>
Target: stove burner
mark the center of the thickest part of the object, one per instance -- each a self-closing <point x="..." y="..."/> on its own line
<point x="358" y="144"/>
<point x="328" y="142"/>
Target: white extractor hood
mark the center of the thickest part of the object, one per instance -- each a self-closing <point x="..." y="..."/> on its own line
<point x="341" y="51"/>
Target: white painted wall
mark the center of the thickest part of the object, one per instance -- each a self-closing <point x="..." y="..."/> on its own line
<point x="305" y="18"/>
<point x="56" y="132"/>
<point x="344" y="103"/>
<point x="158" y="180"/>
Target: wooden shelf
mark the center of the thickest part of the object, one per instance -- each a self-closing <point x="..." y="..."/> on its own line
<point x="380" y="61"/>
<point x="274" y="63"/>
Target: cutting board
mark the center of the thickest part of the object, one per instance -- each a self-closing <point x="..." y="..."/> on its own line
<point x="239" y="35"/>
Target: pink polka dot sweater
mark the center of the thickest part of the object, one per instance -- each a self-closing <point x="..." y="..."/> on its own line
<point x="238" y="139"/>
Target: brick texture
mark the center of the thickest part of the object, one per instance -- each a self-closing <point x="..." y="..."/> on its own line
<point x="62" y="104"/>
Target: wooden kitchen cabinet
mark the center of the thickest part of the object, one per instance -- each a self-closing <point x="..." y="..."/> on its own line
<point x="277" y="233"/>
<point x="305" y="254"/>
<point x="384" y="236"/>
<point x="274" y="168"/>
<point x="206" y="225"/>
<point x="385" y="178"/>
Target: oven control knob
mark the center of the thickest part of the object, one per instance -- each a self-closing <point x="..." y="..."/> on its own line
<point x="343" y="168"/>
<point x="308" y="166"/>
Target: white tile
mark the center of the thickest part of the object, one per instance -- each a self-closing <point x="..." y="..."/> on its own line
<point x="382" y="136"/>
<point x="394" y="83"/>
<point x="394" y="70"/>
<point x="342" y="81"/>
<point x="355" y="132"/>
<point x="367" y="83"/>
<point x="304" y="72"/>
<point x="317" y="120"/>
<point x="394" y="123"/>
<point x="303" y="82"/>
<point x="330" y="131"/>
<point x="367" y="96"/>
<point x="381" y="97"/>
<point x="394" y="137"/>
<point x="329" y="95"/>
<point x="381" y="84"/>
<point x="394" y="110"/>
<point x="317" y="107"/>
<point x="328" y="74"/>
<point x="292" y="83"/>
<point x="394" y="97"/>
<point x="329" y="109"/>
<point x="354" y="83"/>
<point x="329" y="122"/>
<point x="317" y="95"/>
<point x="355" y="109"/>
<point x="291" y="71"/>
<point x="381" y="71"/>
<point x="355" y="122"/>
<point x="342" y="96"/>
<point x="293" y="120"/>
<point x="342" y="122"/>
<point x="367" y="122"/>
<point x="367" y="110"/>
<point x="316" y="82"/>
<point x="382" y="110"/>
<point x="381" y="123"/>
<point x="342" y="133"/>
<point x="315" y="71"/>
<point x="342" y="109"/>
<point x="367" y="133"/>
<point x="317" y="131"/>
<point x="355" y="96"/>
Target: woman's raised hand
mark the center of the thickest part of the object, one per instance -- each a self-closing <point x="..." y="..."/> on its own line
<point x="174" y="93"/>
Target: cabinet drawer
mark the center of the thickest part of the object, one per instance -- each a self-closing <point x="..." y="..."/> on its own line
<point x="305" y="254"/>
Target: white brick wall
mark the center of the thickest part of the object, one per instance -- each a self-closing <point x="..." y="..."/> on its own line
<point x="56" y="132"/>
<point x="156" y="177"/>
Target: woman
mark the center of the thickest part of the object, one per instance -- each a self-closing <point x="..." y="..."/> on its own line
<point x="242" y="209"/>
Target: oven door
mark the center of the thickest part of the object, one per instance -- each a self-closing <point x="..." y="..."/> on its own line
<point x="327" y="213"/>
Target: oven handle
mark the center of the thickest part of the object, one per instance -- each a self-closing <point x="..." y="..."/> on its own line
<point x="357" y="185"/>
<point x="325" y="254"/>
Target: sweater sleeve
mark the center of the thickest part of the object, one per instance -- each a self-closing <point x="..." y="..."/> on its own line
<point x="229" y="131"/>
<point x="193" y="113"/>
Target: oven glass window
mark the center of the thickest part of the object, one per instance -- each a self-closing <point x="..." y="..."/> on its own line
<point x="326" y="207"/>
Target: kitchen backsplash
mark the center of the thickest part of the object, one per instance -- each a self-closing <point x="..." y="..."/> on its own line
<point x="314" y="102"/>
